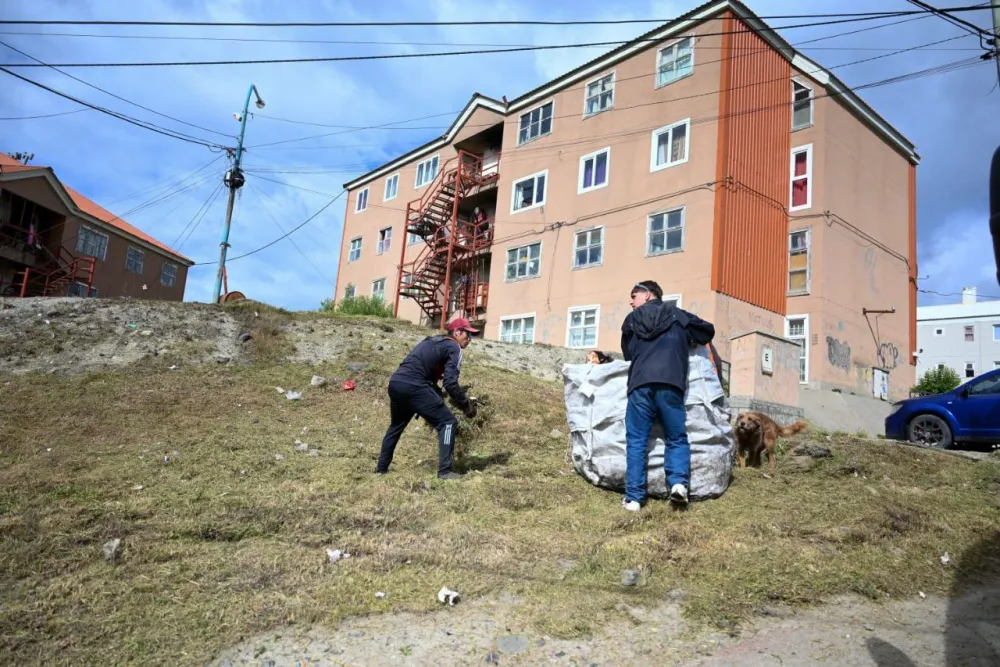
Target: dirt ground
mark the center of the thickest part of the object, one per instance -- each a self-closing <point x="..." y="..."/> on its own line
<point x="847" y="631"/>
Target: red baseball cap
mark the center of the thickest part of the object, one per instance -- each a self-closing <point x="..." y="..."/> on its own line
<point x="461" y="324"/>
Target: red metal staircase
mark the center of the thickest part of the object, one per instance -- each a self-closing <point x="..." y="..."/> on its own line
<point x="52" y="278"/>
<point x="449" y="242"/>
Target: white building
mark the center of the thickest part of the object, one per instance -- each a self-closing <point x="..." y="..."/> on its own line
<point x="963" y="336"/>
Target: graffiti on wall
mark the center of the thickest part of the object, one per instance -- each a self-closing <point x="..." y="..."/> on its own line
<point x="839" y="353"/>
<point x="888" y="356"/>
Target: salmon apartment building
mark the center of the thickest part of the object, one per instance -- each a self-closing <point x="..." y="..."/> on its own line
<point x="708" y="155"/>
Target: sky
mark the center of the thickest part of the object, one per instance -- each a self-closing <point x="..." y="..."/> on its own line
<point x="950" y="117"/>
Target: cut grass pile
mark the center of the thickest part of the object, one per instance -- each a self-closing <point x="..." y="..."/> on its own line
<point x="227" y="539"/>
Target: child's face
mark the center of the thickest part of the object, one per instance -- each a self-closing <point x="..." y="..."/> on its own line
<point x="592" y="358"/>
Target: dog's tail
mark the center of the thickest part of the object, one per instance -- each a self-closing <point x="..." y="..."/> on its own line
<point x="792" y="429"/>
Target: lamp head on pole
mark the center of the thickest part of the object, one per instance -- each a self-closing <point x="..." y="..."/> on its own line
<point x="260" y="100"/>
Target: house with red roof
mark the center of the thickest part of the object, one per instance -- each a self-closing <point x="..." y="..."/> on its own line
<point x="56" y="242"/>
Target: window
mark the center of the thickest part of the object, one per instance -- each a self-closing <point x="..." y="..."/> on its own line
<point x="92" y="243"/>
<point x="355" y="253"/>
<point x="674" y="299"/>
<point x="970" y="335"/>
<point x="801" y="177"/>
<point x="168" y="275"/>
<point x="797" y="329"/>
<point x="996" y="332"/>
<point x="133" y="260"/>
<point x="361" y="203"/>
<point x="529" y="192"/>
<point x="80" y="289"/>
<point x="581" y="327"/>
<point x="427" y="171"/>
<point x="594" y="170"/>
<point x="589" y="248"/>
<point x="391" y="187"/>
<point x="378" y="289"/>
<point x="802" y="106"/>
<point x="349" y="292"/>
<point x="798" y="262"/>
<point x="675" y="61"/>
<point x="412" y="238"/>
<point x="996" y="364"/>
<point x="524" y="262"/>
<point x="384" y="240"/>
<point x="407" y="279"/>
<point x="670" y="145"/>
<point x="535" y="123"/>
<point x="939" y="332"/>
<point x="666" y="232"/>
<point x="970" y="370"/>
<point x="518" y="329"/>
<point x="940" y="367"/>
<point x="986" y="387"/>
<point x="600" y="95"/>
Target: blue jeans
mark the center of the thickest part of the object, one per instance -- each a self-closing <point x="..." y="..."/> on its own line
<point x="645" y="404"/>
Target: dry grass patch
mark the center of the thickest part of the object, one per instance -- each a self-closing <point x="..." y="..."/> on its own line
<point x="226" y="540"/>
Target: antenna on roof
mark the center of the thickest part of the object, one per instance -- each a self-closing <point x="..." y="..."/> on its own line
<point x="23" y="158"/>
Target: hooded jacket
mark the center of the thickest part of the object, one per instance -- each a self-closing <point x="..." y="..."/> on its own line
<point x="656" y="338"/>
<point x="434" y="358"/>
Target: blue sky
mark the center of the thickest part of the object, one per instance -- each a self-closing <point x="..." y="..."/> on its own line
<point x="951" y="117"/>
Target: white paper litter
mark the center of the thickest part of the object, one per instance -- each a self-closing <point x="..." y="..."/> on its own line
<point x="446" y="595"/>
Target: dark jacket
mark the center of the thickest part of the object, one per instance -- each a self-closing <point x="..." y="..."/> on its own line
<point x="656" y="338"/>
<point x="432" y="359"/>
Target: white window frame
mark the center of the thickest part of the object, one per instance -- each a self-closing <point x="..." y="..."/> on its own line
<point x="350" y="291"/>
<point x="384" y="242"/>
<point x="965" y="371"/>
<point x="412" y="238"/>
<point x="808" y="149"/>
<point x="379" y="293"/>
<point x="659" y="58"/>
<point x="996" y="330"/>
<point x="173" y="276"/>
<point x="528" y="276"/>
<point x="128" y="257"/>
<point x="588" y="231"/>
<point x="351" y="249"/>
<point x="92" y="294"/>
<point x="587" y="96"/>
<point x="536" y="203"/>
<point x="805" y="339"/>
<point x="808" y="252"/>
<point x="939" y="331"/>
<point x="653" y="167"/>
<point x="597" y="325"/>
<point x="969" y="329"/>
<point x="394" y="179"/>
<point x="649" y="231"/>
<point x="812" y="107"/>
<point x="417" y="183"/>
<point x="405" y="281"/>
<point x="361" y="201"/>
<point x="521" y="317"/>
<point x="537" y="107"/>
<point x="81" y="242"/>
<point x="677" y="298"/>
<point x="580" y="188"/>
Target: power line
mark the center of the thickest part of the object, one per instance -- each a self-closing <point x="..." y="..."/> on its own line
<point x="107" y="92"/>
<point x="951" y="294"/>
<point x="971" y="28"/>
<point x="114" y="114"/>
<point x="437" y="54"/>
<point x="293" y="230"/>
<point x="201" y="210"/>
<point x="355" y="24"/>
<point x="48" y="115"/>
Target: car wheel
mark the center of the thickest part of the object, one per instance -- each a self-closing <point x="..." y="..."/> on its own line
<point x="929" y="431"/>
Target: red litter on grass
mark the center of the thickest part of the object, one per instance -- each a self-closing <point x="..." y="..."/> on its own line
<point x="348" y="385"/>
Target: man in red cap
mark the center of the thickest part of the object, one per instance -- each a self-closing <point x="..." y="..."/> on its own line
<point x="413" y="390"/>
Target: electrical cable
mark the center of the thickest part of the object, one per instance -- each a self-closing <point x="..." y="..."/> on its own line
<point x="48" y="115"/>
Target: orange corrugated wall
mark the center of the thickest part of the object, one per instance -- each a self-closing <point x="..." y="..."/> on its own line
<point x="750" y="250"/>
<point x="913" y="264"/>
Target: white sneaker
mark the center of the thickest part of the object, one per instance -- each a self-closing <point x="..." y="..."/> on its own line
<point x="679" y="494"/>
<point x="631" y="505"/>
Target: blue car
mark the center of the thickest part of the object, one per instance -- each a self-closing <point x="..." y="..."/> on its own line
<point x="968" y="414"/>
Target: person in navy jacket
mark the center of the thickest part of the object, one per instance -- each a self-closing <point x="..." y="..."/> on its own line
<point x="413" y="391"/>
<point x="656" y="339"/>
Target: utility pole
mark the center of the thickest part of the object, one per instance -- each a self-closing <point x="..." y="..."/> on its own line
<point x="995" y="165"/>
<point x="996" y="35"/>
<point x="234" y="180"/>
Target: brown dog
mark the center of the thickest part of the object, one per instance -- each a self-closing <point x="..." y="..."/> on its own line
<point x="757" y="433"/>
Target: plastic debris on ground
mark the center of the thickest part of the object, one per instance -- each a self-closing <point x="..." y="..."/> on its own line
<point x="293" y="395"/>
<point x="348" y="385"/>
<point x="446" y="595"/>
<point x="334" y="555"/>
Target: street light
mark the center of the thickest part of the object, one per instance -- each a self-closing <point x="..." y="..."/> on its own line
<point x="234" y="180"/>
